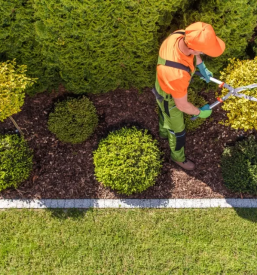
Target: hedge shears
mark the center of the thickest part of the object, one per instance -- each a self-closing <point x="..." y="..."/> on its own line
<point x="232" y="92"/>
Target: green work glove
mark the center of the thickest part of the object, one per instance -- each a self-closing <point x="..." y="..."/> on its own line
<point x="205" y="72"/>
<point x="205" y="111"/>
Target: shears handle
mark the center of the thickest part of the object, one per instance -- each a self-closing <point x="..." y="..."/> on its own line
<point x="219" y="100"/>
<point x="212" y="79"/>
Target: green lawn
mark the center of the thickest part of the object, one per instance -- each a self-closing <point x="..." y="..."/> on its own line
<point x="214" y="241"/>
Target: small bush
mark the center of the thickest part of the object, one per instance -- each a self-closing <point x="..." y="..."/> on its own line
<point x="128" y="160"/>
<point x="13" y="82"/>
<point x="197" y="101"/>
<point x="239" y="166"/>
<point x="73" y="120"/>
<point x="242" y="113"/>
<point x="15" y="161"/>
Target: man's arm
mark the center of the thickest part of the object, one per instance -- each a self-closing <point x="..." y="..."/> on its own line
<point x="182" y="104"/>
<point x="186" y="107"/>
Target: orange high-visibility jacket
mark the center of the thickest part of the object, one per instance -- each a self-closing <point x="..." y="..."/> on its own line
<point x="174" y="81"/>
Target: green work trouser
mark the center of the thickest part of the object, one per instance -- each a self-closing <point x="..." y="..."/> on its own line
<point x="171" y="123"/>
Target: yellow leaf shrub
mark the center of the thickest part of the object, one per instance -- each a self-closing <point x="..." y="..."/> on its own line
<point x="242" y="113"/>
<point x="13" y="82"/>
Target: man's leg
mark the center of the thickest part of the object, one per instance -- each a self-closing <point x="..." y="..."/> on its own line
<point x="162" y="131"/>
<point x="174" y="123"/>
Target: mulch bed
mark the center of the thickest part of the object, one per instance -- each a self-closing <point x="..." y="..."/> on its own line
<point x="67" y="171"/>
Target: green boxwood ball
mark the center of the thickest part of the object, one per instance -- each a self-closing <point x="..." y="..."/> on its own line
<point x="239" y="166"/>
<point x="73" y="120"/>
<point x="15" y="161"/>
<point x="128" y="161"/>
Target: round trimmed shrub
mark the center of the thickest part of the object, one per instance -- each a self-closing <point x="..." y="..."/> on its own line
<point x="239" y="166"/>
<point x="73" y="120"/>
<point x="15" y="161"/>
<point x="128" y="160"/>
<point x="197" y="101"/>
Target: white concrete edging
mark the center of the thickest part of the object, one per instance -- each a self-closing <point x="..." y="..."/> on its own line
<point x="127" y="203"/>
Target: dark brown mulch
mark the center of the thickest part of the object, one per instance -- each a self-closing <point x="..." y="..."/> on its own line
<point x="67" y="171"/>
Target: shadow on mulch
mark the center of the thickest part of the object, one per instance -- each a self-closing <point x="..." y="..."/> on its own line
<point x="66" y="171"/>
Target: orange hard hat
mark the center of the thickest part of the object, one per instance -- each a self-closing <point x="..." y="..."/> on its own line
<point x="201" y="37"/>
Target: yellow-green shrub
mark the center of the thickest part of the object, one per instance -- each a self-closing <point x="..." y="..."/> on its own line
<point x="13" y="82"/>
<point x="127" y="160"/>
<point x="242" y="113"/>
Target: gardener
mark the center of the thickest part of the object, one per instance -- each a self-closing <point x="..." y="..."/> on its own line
<point x="174" y="70"/>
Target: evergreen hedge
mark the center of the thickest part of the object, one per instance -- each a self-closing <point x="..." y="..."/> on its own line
<point x="96" y="46"/>
<point x="102" y="45"/>
<point x="233" y="21"/>
<point x="17" y="34"/>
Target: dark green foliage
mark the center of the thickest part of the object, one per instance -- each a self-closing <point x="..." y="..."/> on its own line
<point x="73" y="120"/>
<point x="233" y="21"/>
<point x="197" y="101"/>
<point x="17" y="35"/>
<point x="101" y="45"/>
<point x="239" y="166"/>
<point x="15" y="161"/>
<point x="128" y="160"/>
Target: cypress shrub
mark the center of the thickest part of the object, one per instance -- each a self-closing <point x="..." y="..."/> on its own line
<point x="15" y="161"/>
<point x="73" y="120"/>
<point x="239" y="166"/>
<point x="98" y="45"/>
<point x="128" y="160"/>
<point x="17" y="33"/>
<point x="101" y="45"/>
<point x="233" y="21"/>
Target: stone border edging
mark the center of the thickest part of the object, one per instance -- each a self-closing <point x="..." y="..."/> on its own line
<point x="126" y="203"/>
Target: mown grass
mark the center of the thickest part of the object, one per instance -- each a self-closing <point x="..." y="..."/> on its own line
<point x="210" y="241"/>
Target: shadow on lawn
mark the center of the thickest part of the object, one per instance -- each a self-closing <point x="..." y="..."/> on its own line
<point x="247" y="213"/>
<point x="72" y="214"/>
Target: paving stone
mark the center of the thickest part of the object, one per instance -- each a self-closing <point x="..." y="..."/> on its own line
<point x="184" y="203"/>
<point x="201" y="203"/>
<point x="220" y="203"/>
<point x="155" y="203"/>
<point x="3" y="204"/>
<point x="11" y="203"/>
<point x="69" y="203"/>
<point x="133" y="203"/>
<point x="47" y="203"/>
<point x="128" y="203"/>
<point x="242" y="203"/>
<point x="23" y="204"/>
<point x="113" y="203"/>
<point x="79" y="203"/>
<point x="171" y="203"/>
<point x="54" y="204"/>
<point x="37" y="204"/>
<point x="60" y="203"/>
